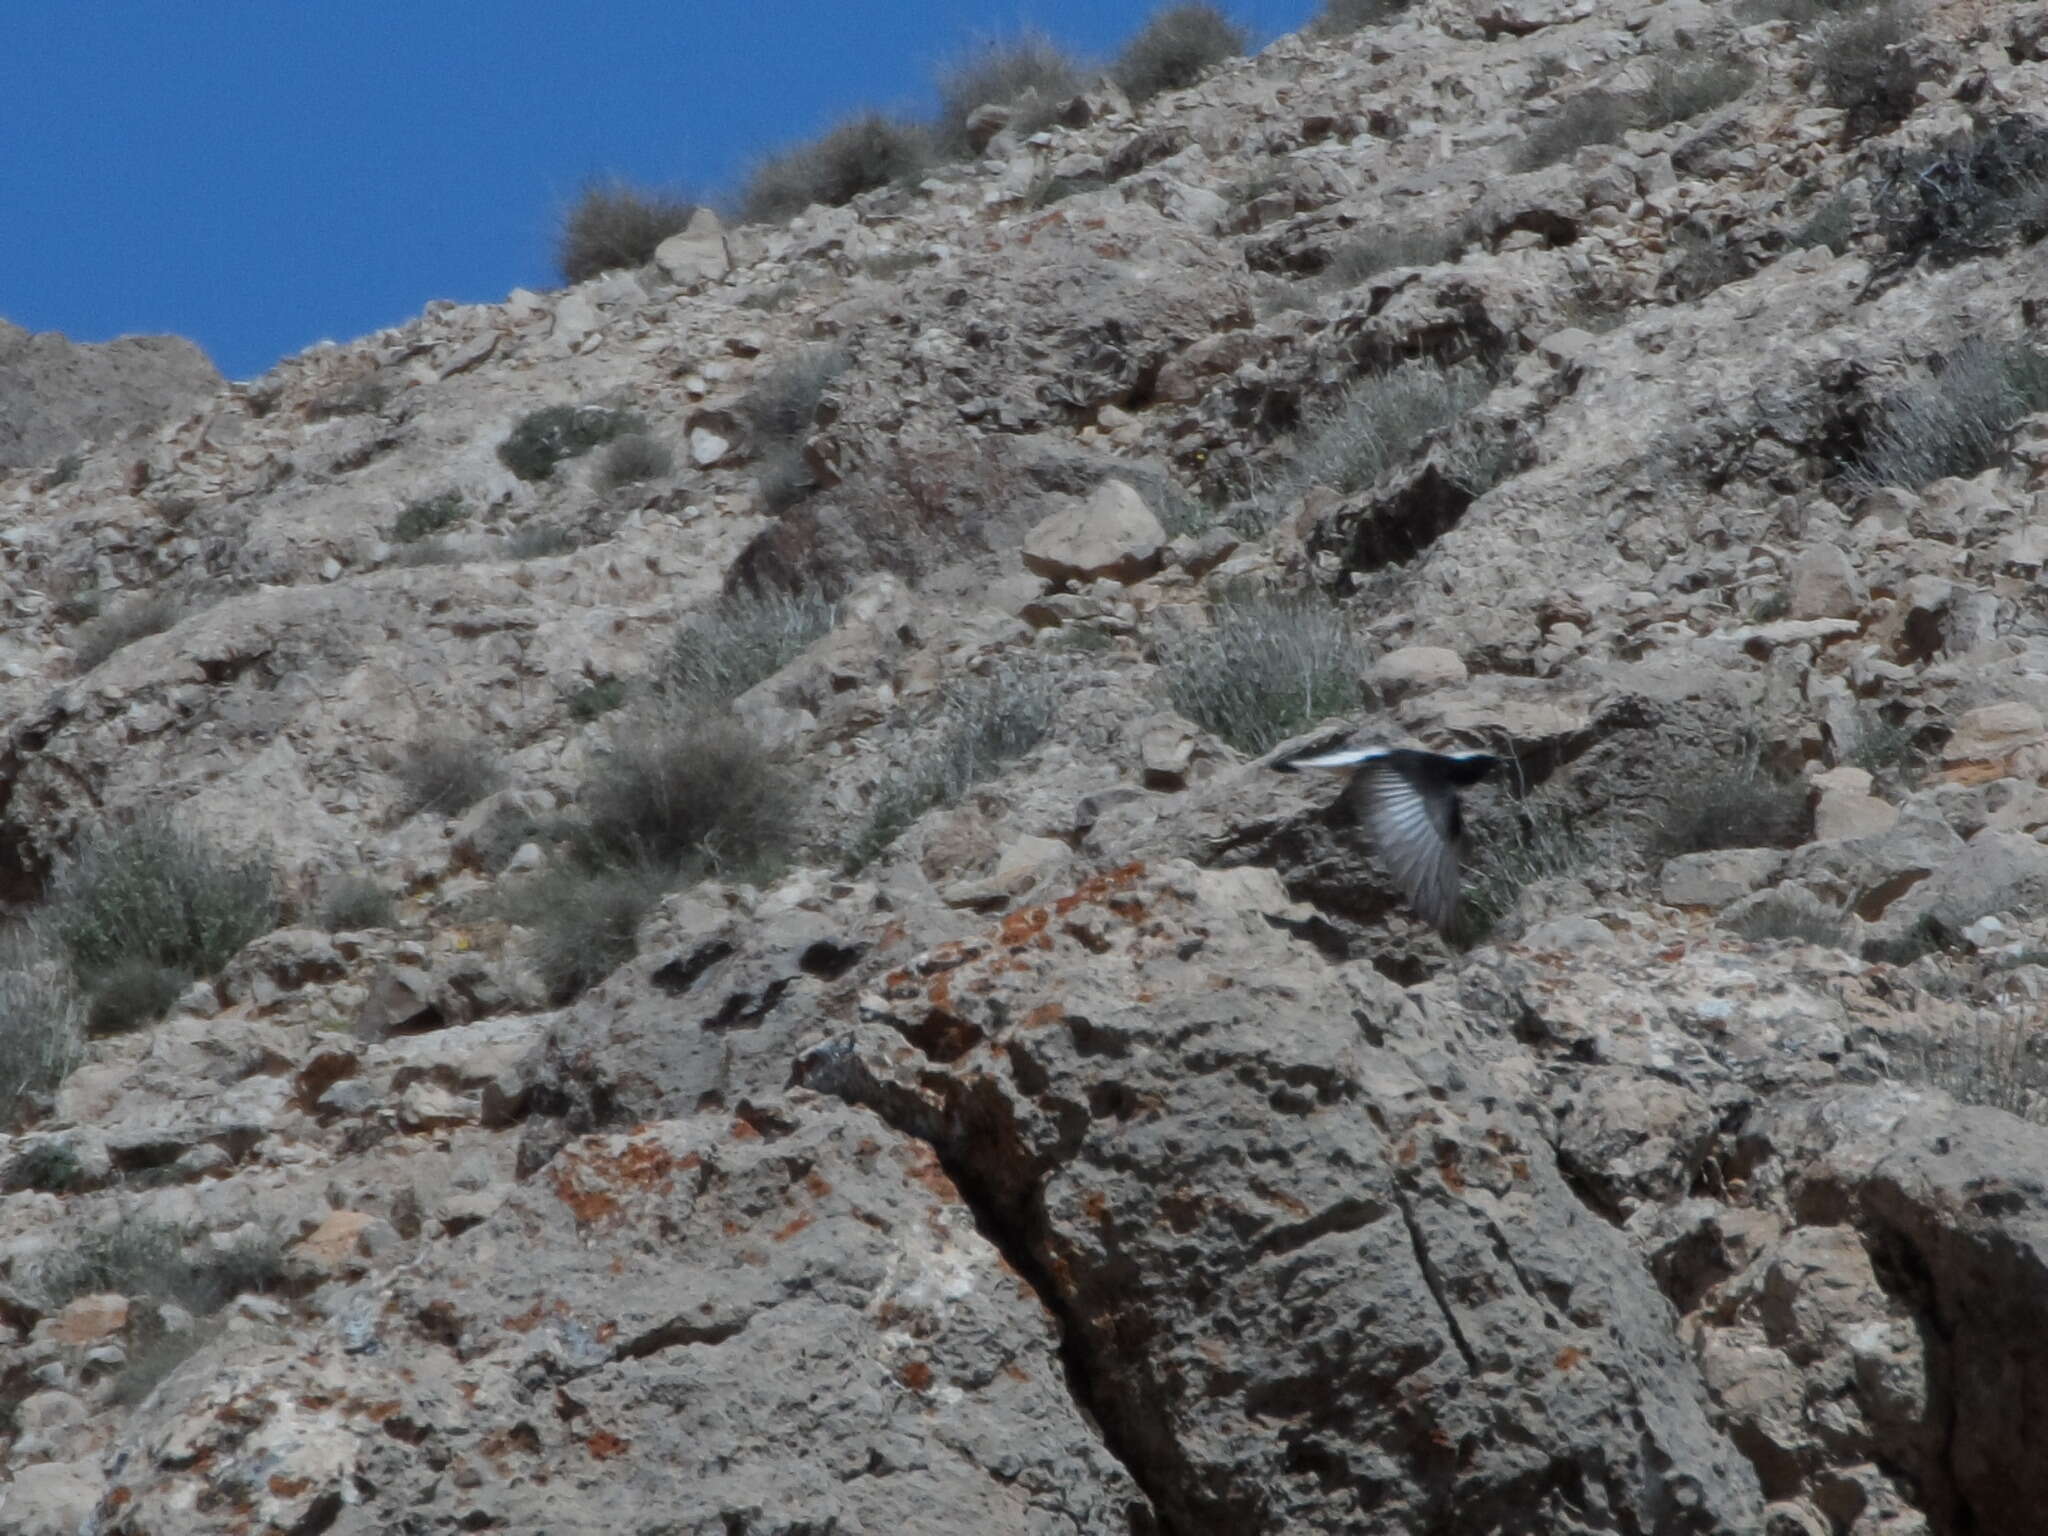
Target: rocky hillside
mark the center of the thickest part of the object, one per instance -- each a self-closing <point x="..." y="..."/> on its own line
<point x="55" y="394"/>
<point x="734" y="961"/>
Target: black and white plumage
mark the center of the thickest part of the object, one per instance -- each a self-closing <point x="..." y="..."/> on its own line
<point x="1408" y="799"/>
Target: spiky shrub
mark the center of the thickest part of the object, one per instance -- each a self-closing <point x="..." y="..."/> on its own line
<point x="978" y="726"/>
<point x="1972" y="194"/>
<point x="612" y="224"/>
<point x="1996" y="1056"/>
<point x="1265" y="668"/>
<point x="633" y="459"/>
<point x="141" y="903"/>
<point x="541" y="541"/>
<point x="356" y="901"/>
<point x="428" y="515"/>
<point x="1377" y="251"/>
<point x="544" y="438"/>
<point x="741" y="639"/>
<point x="1957" y="421"/>
<point x="1591" y="117"/>
<point x="1681" y="89"/>
<point x="857" y="156"/>
<point x="783" y="403"/>
<point x="1699" y="263"/>
<point x="682" y="792"/>
<point x="42" y="1019"/>
<point x="1174" y="49"/>
<point x="1863" y="66"/>
<point x="1832" y="223"/>
<point x="585" y="920"/>
<point x="1539" y="839"/>
<point x="1029" y="73"/>
<point x="152" y="1258"/>
<point x="1788" y="917"/>
<point x="598" y="698"/>
<point x="134" y="620"/>
<point x="1338" y="17"/>
<point x="1380" y="421"/>
<point x="445" y="774"/>
<point x="1723" y="804"/>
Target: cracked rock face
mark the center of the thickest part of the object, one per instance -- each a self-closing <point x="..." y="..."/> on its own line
<point x="699" y="1327"/>
<point x="1324" y="1278"/>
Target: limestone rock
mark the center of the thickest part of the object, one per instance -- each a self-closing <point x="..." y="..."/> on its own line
<point x="1417" y="669"/>
<point x="697" y="254"/>
<point x="1825" y="585"/>
<point x="1113" y="535"/>
<point x="58" y="392"/>
<point x="1715" y="879"/>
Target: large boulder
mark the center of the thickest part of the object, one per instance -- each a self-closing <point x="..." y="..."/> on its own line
<point x="56" y="393"/>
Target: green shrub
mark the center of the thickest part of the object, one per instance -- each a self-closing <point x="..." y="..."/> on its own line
<point x="1800" y="919"/>
<point x="857" y="156"/>
<point x="633" y="459"/>
<point x="719" y="654"/>
<point x="615" y="225"/>
<point x="134" y="620"/>
<point x="544" y="438"/>
<point x="1030" y="74"/>
<point x="41" y="1026"/>
<point x="1831" y="222"/>
<point x="1968" y="196"/>
<point x="1957" y="421"/>
<point x="1380" y="421"/>
<point x="1535" y="840"/>
<point x="1864" y="67"/>
<point x="1886" y="750"/>
<point x="783" y="404"/>
<point x="680" y="792"/>
<point x="1591" y="117"/>
<point x="354" y="902"/>
<point x="63" y="472"/>
<point x="1338" y="17"/>
<point x="978" y="726"/>
<point x="1366" y="255"/>
<point x="599" y="698"/>
<point x="140" y="902"/>
<point x="1265" y="668"/>
<point x="1683" y="89"/>
<point x="1731" y="805"/>
<point x="1997" y="1056"/>
<point x="429" y="515"/>
<point x="150" y="1258"/>
<point x="585" y="920"/>
<point x="133" y="992"/>
<point x="1174" y="49"/>
<point x="541" y="541"/>
<point x="445" y="775"/>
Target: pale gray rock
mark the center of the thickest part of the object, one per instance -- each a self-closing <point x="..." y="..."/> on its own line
<point x="1113" y="535"/>
<point x="698" y="254"/>
<point x="58" y="393"/>
<point x="50" y="1498"/>
<point x="1717" y="878"/>
<point x="1824" y="585"/>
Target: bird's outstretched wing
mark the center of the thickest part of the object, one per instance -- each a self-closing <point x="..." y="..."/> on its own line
<point x="1413" y="819"/>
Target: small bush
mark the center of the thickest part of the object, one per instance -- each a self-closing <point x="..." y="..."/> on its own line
<point x="1338" y="17"/>
<point x="1174" y="49"/>
<point x="1538" y="840"/>
<point x="1698" y="263"/>
<point x="1831" y="223"/>
<point x="541" y="542"/>
<point x="859" y="155"/>
<point x="1969" y="196"/>
<point x="680" y="792"/>
<point x="585" y="921"/>
<point x="1886" y="750"/>
<point x="1994" y="1056"/>
<point x="1591" y="117"/>
<point x="149" y="1258"/>
<point x="783" y="404"/>
<point x="719" y="654"/>
<point x="1864" y="67"/>
<point x="1264" y="669"/>
<point x="428" y="552"/>
<point x="1783" y="916"/>
<point x="1683" y="89"/>
<point x="599" y="698"/>
<point x="134" y="620"/>
<point x="615" y="225"/>
<point x="131" y="993"/>
<point x="154" y="1353"/>
<point x="1380" y="421"/>
<point x="149" y="894"/>
<point x="633" y="459"/>
<point x="1030" y="74"/>
<point x="1370" y="254"/>
<point x="979" y="725"/>
<point x="1801" y="13"/>
<point x="429" y="515"/>
<point x="64" y="471"/>
<point x="1731" y="805"/>
<point x="41" y="1026"/>
<point x="351" y="397"/>
<point x="1957" y="421"/>
<point x="1927" y="936"/>
<point x="544" y="438"/>
<point x="354" y="902"/>
<point x="446" y="775"/>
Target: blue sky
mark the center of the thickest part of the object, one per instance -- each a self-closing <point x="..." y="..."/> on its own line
<point x="260" y="175"/>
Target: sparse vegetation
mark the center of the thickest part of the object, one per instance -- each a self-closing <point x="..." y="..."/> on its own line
<point x="633" y="459"/>
<point x="1338" y="17"/>
<point x="599" y="698"/>
<point x="979" y="725"/>
<point x="1682" y="89"/>
<point x="1175" y="49"/>
<point x="41" y="1023"/>
<point x="585" y="921"/>
<point x="1799" y="918"/>
<point x="1030" y="74"/>
<point x="1928" y="935"/>
<point x="1698" y="263"/>
<point x="1591" y="117"/>
<point x="1730" y="805"/>
<point x="1380" y="421"/>
<point x="1536" y="839"/>
<point x="1973" y="194"/>
<point x="1265" y="668"/>
<point x="445" y="775"/>
<point x="429" y="515"/>
<point x="783" y="403"/>
<point x="64" y="471"/>
<point x="1377" y="251"/>
<point x="1996" y="1056"/>
<point x="719" y="654"/>
<point x="540" y="541"/>
<point x="859" y="155"/>
<point x="1832" y="223"/>
<point x="1863" y="64"/>
<point x="146" y="904"/>
<point x="1956" y="421"/>
<point x="615" y="225"/>
<point x="1885" y="750"/>
<point x="544" y="438"/>
<point x="358" y="396"/>
<point x="136" y="619"/>
<point x="150" y="1258"/>
<point x="355" y="901"/>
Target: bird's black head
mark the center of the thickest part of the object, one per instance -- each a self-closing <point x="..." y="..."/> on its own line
<point x="1466" y="768"/>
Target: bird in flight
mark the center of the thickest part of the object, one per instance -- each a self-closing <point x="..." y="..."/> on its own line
<point x="1409" y="801"/>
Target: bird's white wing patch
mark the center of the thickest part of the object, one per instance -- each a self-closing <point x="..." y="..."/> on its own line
<point x="1346" y="759"/>
<point x="1410" y="825"/>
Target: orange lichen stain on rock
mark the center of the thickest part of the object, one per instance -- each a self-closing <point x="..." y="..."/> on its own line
<point x="1281" y="1198"/>
<point x="580" y="1178"/>
<point x="1099" y="888"/>
<point x="1448" y="1170"/>
<point x="916" y="1375"/>
<point x="606" y="1332"/>
<point x="527" y="1321"/>
<point x="604" y="1445"/>
<point x="1095" y="1205"/>
<point x="788" y="1230"/>
<point x="1022" y="926"/>
<point x="940" y="993"/>
<point x="288" y="1487"/>
<point x="817" y="1184"/>
<point x="1519" y="1168"/>
<point x="378" y="1412"/>
<point x="1568" y="1357"/>
<point x="315" y="1402"/>
<point x="741" y="1131"/>
<point x="1044" y="1014"/>
<point x="468" y="1391"/>
<point x="1015" y="1371"/>
<point x="924" y="1169"/>
<point x="1407" y="1152"/>
<point x="118" y="1497"/>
